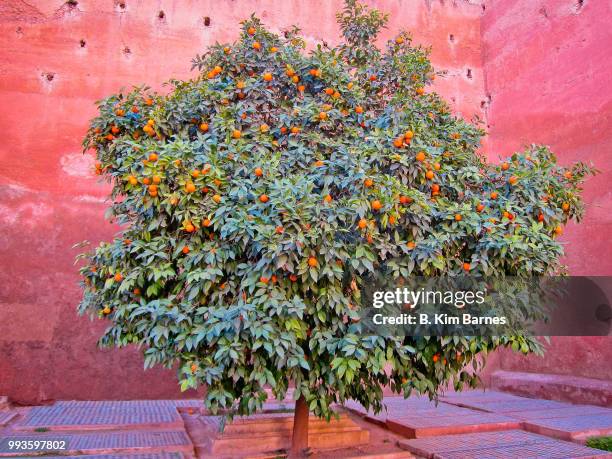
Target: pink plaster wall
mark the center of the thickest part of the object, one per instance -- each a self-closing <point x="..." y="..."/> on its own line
<point x="49" y="199"/>
<point x="547" y="66"/>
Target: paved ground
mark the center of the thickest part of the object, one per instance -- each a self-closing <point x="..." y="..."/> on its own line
<point x="474" y="424"/>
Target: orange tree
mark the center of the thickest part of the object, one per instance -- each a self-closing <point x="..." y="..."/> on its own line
<point x="256" y="198"/>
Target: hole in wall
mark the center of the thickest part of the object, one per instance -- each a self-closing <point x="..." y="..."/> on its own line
<point x="72" y="3"/>
<point x="127" y="51"/>
<point x="19" y="31"/>
<point x="49" y="76"/>
<point x="83" y="43"/>
<point x="161" y="15"/>
<point x="543" y="12"/>
<point x="578" y="6"/>
<point x="469" y="74"/>
<point x="121" y="5"/>
<point x="207" y="21"/>
<point x="451" y="38"/>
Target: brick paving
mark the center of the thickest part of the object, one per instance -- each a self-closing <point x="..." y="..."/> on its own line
<point x="572" y="428"/>
<point x="117" y="456"/>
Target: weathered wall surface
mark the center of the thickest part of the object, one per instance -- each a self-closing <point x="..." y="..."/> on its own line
<point x="55" y="61"/>
<point x="547" y="73"/>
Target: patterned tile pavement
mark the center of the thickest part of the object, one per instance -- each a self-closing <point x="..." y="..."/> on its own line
<point x="105" y="442"/>
<point x="504" y="444"/>
<point x="117" y="456"/>
<point x="86" y="415"/>
<point x="572" y="428"/>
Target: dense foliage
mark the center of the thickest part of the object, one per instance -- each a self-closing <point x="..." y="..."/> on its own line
<point x="256" y="197"/>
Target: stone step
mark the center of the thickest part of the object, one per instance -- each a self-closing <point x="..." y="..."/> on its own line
<point x="264" y="433"/>
<point x="571" y="389"/>
<point x="509" y="444"/>
<point x="102" y="415"/>
<point x="102" y="443"/>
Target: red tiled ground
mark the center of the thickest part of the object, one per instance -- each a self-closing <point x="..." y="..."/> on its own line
<point x="5" y="417"/>
<point x="572" y="428"/>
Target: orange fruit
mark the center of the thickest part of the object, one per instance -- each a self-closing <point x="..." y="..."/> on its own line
<point x="358" y="108"/>
<point x="368" y="182"/>
<point x="195" y="173"/>
<point x="106" y="310"/>
<point x="398" y="142"/>
<point x="328" y="198"/>
<point x="323" y="116"/>
<point x="480" y="207"/>
<point x="420" y="90"/>
<point x="295" y="79"/>
<point x="227" y="50"/>
<point x="404" y="200"/>
<point x="264" y="198"/>
<point x="301" y="88"/>
<point x="152" y="188"/>
<point x="411" y="245"/>
<point x="264" y="280"/>
<point x="146" y="181"/>
<point x="565" y="206"/>
<point x="392" y="220"/>
<point x="437" y="166"/>
<point x="293" y="278"/>
<point x="512" y="180"/>
<point x="133" y="180"/>
<point x="156" y="179"/>
<point x="190" y="187"/>
<point x="458" y="217"/>
<point x="429" y="175"/>
<point x="279" y="230"/>
<point x="435" y="188"/>
<point x="251" y="30"/>
<point x="185" y="250"/>
<point x="558" y="230"/>
<point x="189" y="228"/>
<point x="264" y="128"/>
<point x="399" y="40"/>
<point x="362" y="223"/>
<point x="466" y="266"/>
<point x="256" y="45"/>
<point x="267" y="76"/>
<point x="420" y="156"/>
<point x="319" y="163"/>
<point x="273" y="49"/>
<point x="312" y="262"/>
<point x="153" y="157"/>
<point x="505" y="166"/>
<point x="136" y="291"/>
<point x="295" y="130"/>
<point x="258" y="172"/>
<point x="206" y="222"/>
<point x="193" y="368"/>
<point x="436" y="357"/>
<point x="148" y="101"/>
<point x="494" y="195"/>
<point x="236" y="134"/>
<point x="217" y="198"/>
<point x="118" y="277"/>
<point x="376" y="205"/>
<point x="204" y="127"/>
<point x="329" y="91"/>
<point x="540" y="217"/>
<point x="373" y="78"/>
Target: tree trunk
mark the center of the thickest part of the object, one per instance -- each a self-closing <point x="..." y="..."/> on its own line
<point x="299" y="441"/>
